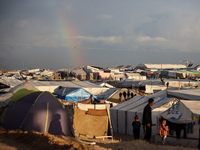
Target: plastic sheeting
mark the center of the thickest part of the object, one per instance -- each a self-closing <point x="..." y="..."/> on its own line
<point x="90" y="125"/>
<point x="85" y="107"/>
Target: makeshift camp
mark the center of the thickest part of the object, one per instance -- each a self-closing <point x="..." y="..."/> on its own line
<point x="5" y="98"/>
<point x="72" y="94"/>
<point x="38" y="111"/>
<point x="182" y="121"/>
<point x="52" y="85"/>
<point x="123" y="114"/>
<point x="92" y="120"/>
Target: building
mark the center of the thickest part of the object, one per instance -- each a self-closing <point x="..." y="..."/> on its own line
<point x="160" y="66"/>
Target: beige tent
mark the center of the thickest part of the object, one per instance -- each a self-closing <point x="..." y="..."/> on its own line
<point x="92" y="120"/>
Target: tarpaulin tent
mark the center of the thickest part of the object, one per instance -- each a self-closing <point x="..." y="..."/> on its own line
<point x="182" y="120"/>
<point x="92" y="120"/>
<point x="38" y="111"/>
<point x="72" y="94"/>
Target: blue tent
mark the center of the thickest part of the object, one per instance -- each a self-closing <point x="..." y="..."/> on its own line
<point x="72" y="94"/>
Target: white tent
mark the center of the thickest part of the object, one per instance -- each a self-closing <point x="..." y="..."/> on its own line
<point x="52" y="85"/>
<point x="182" y="118"/>
<point x="5" y="98"/>
<point x="123" y="114"/>
<point x="11" y="82"/>
<point x="192" y="105"/>
<point x="160" y="66"/>
<point x="104" y="84"/>
<point x="189" y="94"/>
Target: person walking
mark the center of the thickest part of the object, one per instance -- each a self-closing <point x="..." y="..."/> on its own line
<point x="124" y="94"/>
<point x="163" y="131"/>
<point x="128" y="94"/>
<point x="147" y="120"/>
<point x="136" y="127"/>
<point x="120" y="96"/>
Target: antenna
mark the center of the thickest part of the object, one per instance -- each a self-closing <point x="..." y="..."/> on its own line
<point x="188" y="63"/>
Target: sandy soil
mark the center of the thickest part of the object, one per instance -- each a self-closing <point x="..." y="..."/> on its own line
<point x="19" y="140"/>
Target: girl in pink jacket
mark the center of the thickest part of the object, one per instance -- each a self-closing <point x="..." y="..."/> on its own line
<point x="163" y="131"/>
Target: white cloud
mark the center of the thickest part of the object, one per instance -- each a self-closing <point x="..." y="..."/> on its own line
<point x="111" y="39"/>
<point x="150" y="39"/>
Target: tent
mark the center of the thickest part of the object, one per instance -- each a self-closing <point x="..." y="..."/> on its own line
<point x="112" y="95"/>
<point x="38" y="111"/>
<point x="5" y="98"/>
<point x="123" y="114"/>
<point x="52" y="85"/>
<point x="72" y="94"/>
<point x="182" y="120"/>
<point x="189" y="94"/>
<point x="92" y="120"/>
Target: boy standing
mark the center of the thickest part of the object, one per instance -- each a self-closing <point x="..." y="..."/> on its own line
<point x="136" y="127"/>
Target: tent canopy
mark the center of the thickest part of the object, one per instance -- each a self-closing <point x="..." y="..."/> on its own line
<point x="38" y="111"/>
<point x="190" y="94"/>
<point x="5" y="98"/>
<point x="72" y="94"/>
<point x="181" y="112"/>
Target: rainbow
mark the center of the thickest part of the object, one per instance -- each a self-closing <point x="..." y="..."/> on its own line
<point x="67" y="38"/>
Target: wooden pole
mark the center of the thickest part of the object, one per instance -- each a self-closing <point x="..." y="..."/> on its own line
<point x="179" y="85"/>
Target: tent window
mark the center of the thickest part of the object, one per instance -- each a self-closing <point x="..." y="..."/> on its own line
<point x="80" y="99"/>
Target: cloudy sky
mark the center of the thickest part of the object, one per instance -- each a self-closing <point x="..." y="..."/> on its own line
<point x="107" y="33"/>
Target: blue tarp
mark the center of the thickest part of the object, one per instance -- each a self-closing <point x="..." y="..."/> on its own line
<point x="78" y="95"/>
<point x="73" y="94"/>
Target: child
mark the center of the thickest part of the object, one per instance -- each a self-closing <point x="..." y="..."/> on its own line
<point x="163" y="131"/>
<point x="136" y="127"/>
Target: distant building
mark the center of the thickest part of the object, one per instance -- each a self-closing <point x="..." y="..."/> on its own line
<point x="160" y="66"/>
<point x="92" y="69"/>
<point x="134" y="76"/>
<point x="79" y="74"/>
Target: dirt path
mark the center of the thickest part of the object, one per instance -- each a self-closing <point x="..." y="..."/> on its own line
<point x="9" y="144"/>
<point x="19" y="140"/>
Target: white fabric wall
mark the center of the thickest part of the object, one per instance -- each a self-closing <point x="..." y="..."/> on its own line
<point x="122" y="113"/>
<point x="114" y="111"/>
<point x="85" y="107"/>
<point x="46" y="88"/>
<point x="122" y="117"/>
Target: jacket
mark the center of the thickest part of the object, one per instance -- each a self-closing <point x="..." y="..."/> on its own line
<point x="147" y="119"/>
<point x="163" y="130"/>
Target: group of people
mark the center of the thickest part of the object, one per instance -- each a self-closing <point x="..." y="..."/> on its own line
<point x="126" y="95"/>
<point x="147" y="124"/>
